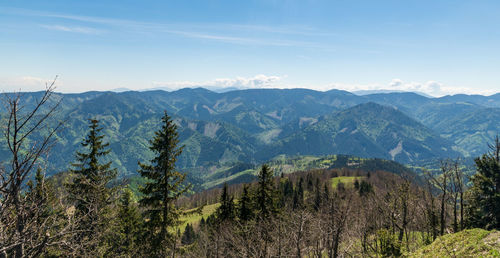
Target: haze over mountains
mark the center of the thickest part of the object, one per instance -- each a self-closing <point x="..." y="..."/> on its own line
<point x="256" y="125"/>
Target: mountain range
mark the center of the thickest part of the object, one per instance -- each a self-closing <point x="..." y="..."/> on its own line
<point x="256" y="125"/>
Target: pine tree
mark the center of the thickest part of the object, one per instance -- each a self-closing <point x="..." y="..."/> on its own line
<point x="245" y="211"/>
<point x="89" y="189"/>
<point x="226" y="209"/>
<point x="483" y="208"/>
<point x="163" y="186"/>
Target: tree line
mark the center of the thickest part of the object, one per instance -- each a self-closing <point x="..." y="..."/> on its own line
<point x="301" y="214"/>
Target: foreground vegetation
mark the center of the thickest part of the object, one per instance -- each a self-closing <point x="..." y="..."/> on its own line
<point x="466" y="243"/>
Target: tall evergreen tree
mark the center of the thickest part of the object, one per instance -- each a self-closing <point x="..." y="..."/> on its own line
<point x="265" y="195"/>
<point x="288" y="188"/>
<point x="128" y="225"/>
<point x="298" y="195"/>
<point x="317" y="195"/>
<point x="326" y="193"/>
<point x="163" y="186"/>
<point x="484" y="195"/>
<point x="41" y="195"/>
<point x="226" y="209"/>
<point x="245" y="211"/>
<point x="188" y="236"/>
<point x="89" y="189"/>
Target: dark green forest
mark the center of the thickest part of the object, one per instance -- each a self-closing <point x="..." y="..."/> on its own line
<point x="307" y="206"/>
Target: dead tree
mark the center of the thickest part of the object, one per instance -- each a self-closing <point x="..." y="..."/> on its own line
<point x="28" y="134"/>
<point x="458" y="188"/>
<point x="441" y="183"/>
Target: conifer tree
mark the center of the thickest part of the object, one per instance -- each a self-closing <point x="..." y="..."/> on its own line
<point x="326" y="193"/>
<point x="288" y="189"/>
<point x="365" y="188"/>
<point x="226" y="209"/>
<point x="163" y="186"/>
<point x="317" y="195"/>
<point x="41" y="195"/>
<point x="245" y="205"/>
<point x="89" y="189"/>
<point x="188" y="236"/>
<point x="45" y="216"/>
<point x="265" y="195"/>
<point x="129" y="222"/>
<point x="310" y="183"/>
<point x="298" y="195"/>
<point x="484" y="196"/>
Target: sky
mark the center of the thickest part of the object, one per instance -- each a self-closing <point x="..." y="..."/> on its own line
<point x="434" y="47"/>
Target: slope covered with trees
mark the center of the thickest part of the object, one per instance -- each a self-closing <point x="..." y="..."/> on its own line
<point x="254" y="126"/>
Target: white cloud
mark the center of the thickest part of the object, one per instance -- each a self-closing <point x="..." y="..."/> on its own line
<point x="74" y="29"/>
<point x="258" y="81"/>
<point x="432" y="88"/>
<point x="24" y="83"/>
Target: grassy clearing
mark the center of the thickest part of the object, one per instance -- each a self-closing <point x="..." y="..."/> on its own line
<point x="219" y="181"/>
<point x="194" y="217"/>
<point x="348" y="181"/>
<point x="466" y="243"/>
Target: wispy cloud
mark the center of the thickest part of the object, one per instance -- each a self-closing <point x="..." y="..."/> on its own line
<point x="74" y="29"/>
<point x="288" y="36"/>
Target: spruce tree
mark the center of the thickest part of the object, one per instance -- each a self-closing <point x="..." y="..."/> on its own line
<point x="245" y="211"/>
<point x="298" y="195"/>
<point x="265" y="195"/>
<point x="89" y="189"/>
<point x="317" y="195"/>
<point x="365" y="188"/>
<point x="483" y="209"/>
<point x="226" y="209"/>
<point x="188" y="236"/>
<point x="129" y="222"/>
<point x="326" y="193"/>
<point x="40" y="195"/>
<point x="163" y="186"/>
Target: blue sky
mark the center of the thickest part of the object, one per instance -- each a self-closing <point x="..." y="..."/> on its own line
<point x="436" y="47"/>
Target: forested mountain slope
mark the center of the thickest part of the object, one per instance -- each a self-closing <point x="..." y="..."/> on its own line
<point x="256" y="125"/>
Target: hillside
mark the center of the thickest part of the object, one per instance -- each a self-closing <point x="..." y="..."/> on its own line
<point x="253" y="126"/>
<point x="367" y="130"/>
<point x="466" y="243"/>
<point x="216" y="175"/>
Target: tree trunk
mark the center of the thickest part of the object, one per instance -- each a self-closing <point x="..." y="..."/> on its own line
<point x="455" y="219"/>
<point x="443" y="205"/>
<point x="461" y="210"/>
